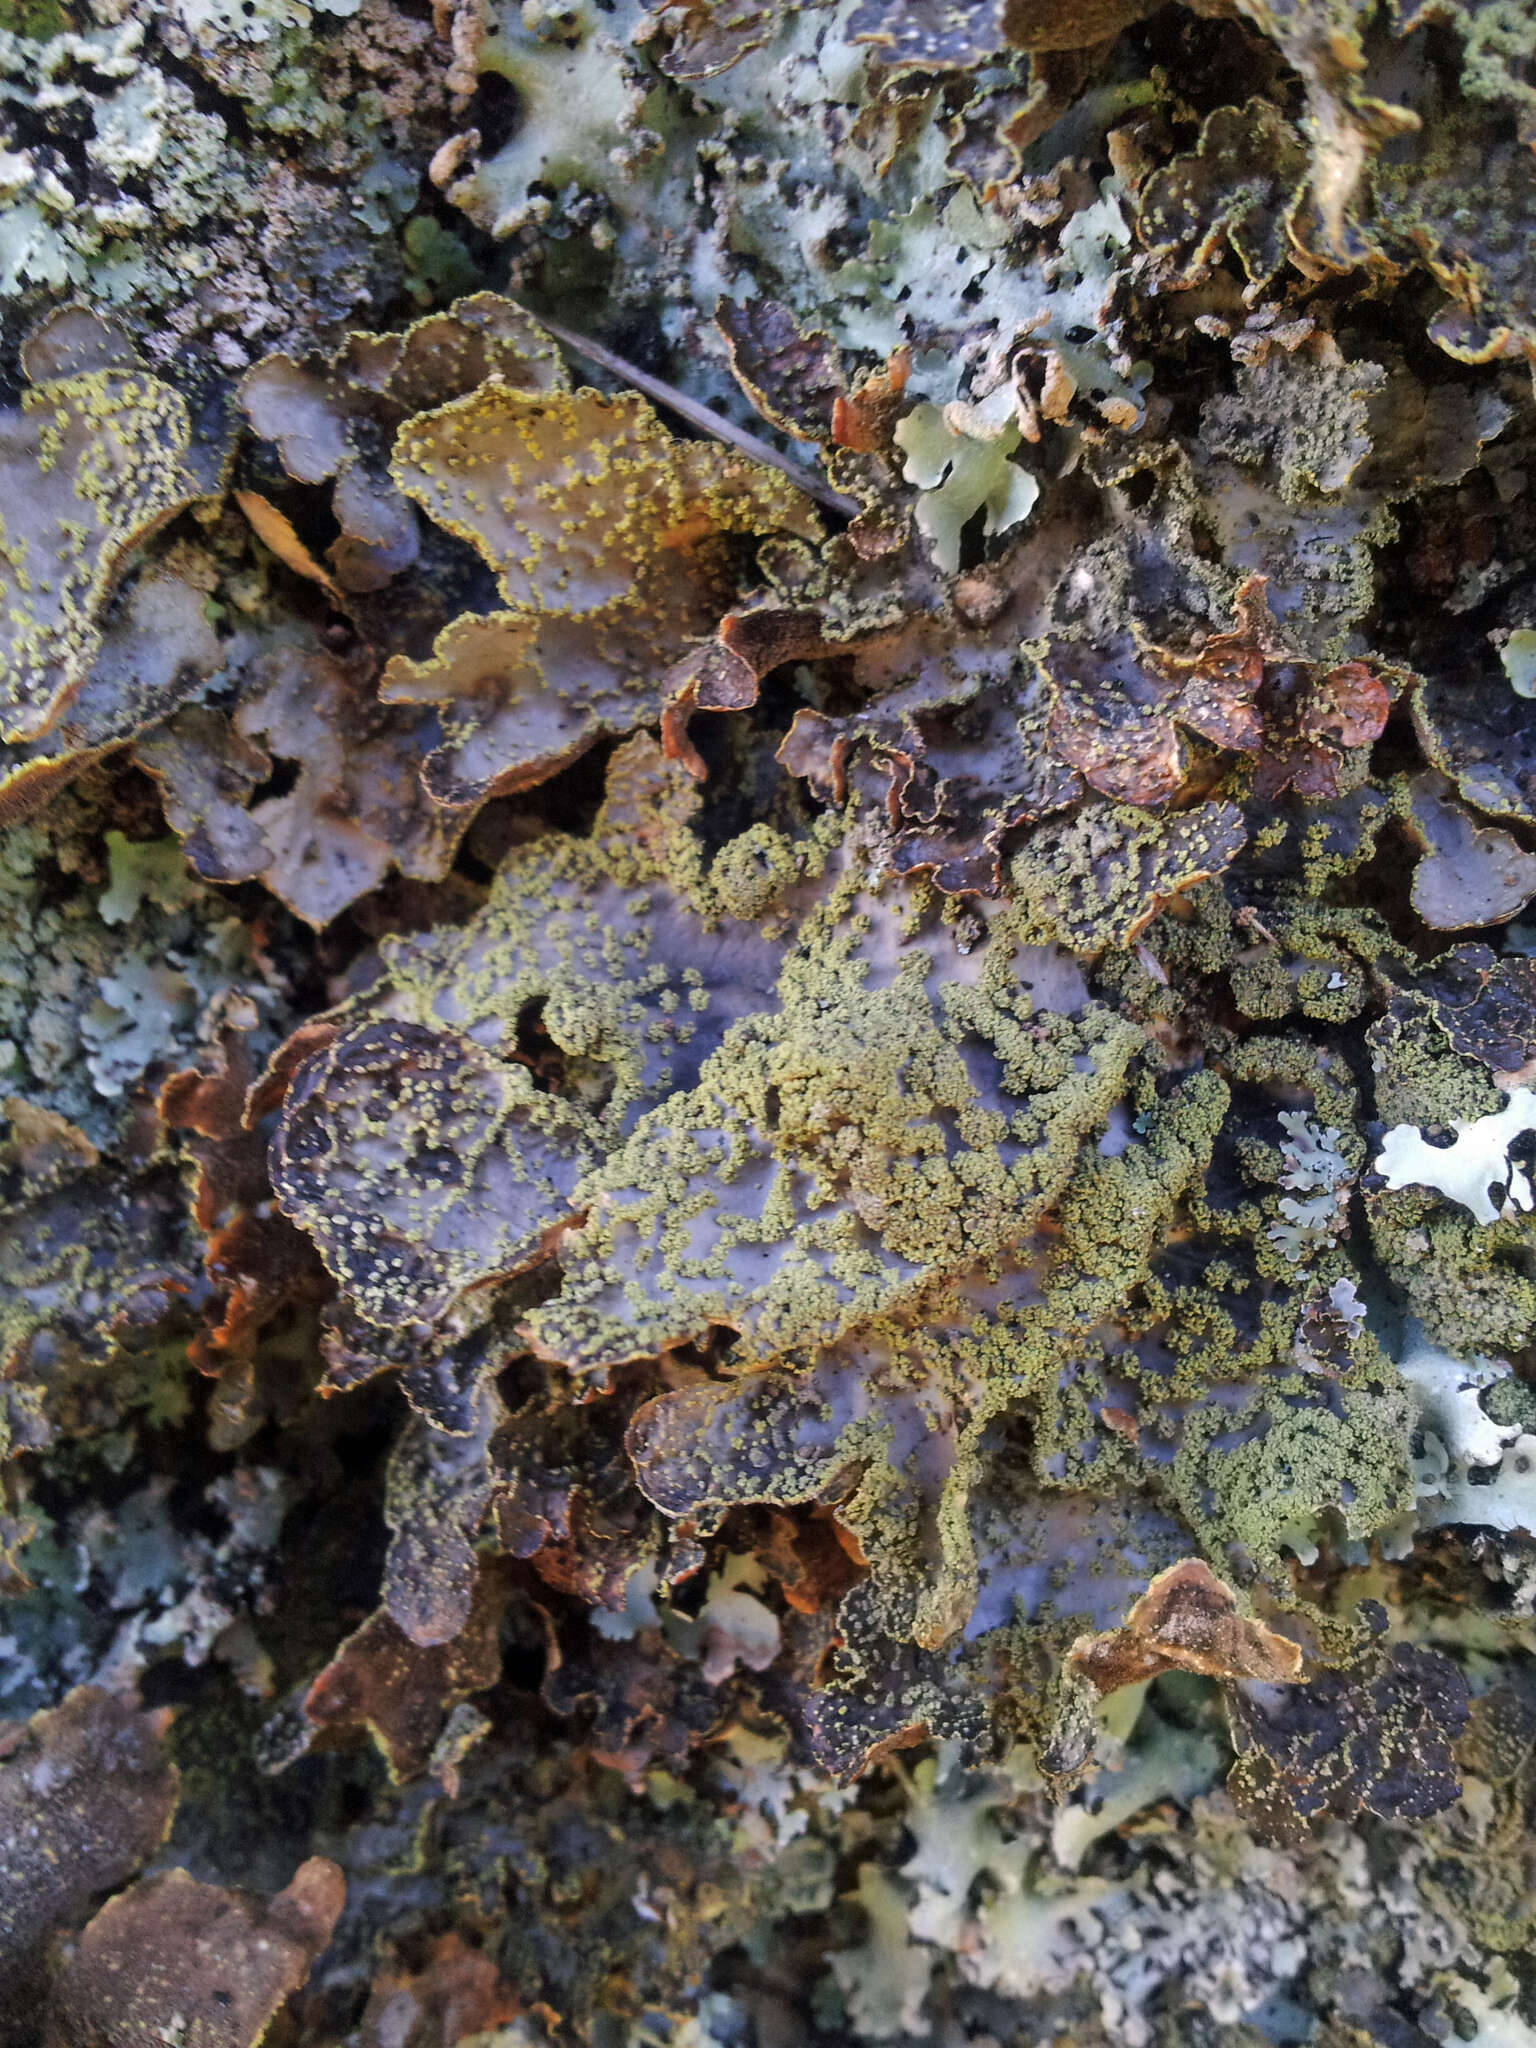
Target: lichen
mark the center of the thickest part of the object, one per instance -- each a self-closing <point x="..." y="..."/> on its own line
<point x="960" y="459"/>
<point x="1468" y="1169"/>
<point x="94" y="465"/>
<point x="766" y="804"/>
<point x="197" y="196"/>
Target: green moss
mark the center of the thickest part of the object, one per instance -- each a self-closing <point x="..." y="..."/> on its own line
<point x="37" y="20"/>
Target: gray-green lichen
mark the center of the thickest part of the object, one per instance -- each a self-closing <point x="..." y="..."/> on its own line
<point x="233" y="177"/>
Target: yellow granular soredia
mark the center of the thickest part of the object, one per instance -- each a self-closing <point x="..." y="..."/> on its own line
<point x="90" y="467"/>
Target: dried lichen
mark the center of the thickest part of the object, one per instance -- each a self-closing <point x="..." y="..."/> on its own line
<point x="212" y="1964"/>
<point x="356" y="809"/>
<point x="87" y="1792"/>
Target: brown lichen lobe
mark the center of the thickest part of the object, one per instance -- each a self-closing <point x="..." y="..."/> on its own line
<point x="357" y="809"/>
<point x="205" y="1964"/>
<point x="87" y="1793"/>
<point x="836" y="1156"/>
<point x="791" y="1128"/>
<point x="1187" y="1620"/>
<point x="609" y="539"/>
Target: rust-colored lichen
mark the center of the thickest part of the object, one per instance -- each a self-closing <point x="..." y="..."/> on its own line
<point x="212" y="1965"/>
<point x="86" y="1795"/>
<point x="1187" y="1620"/>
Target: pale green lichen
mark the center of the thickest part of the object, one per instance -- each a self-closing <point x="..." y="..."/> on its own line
<point x="1518" y="654"/>
<point x="960" y="459"/>
<point x="1316" y="1173"/>
<point x="1467" y="1170"/>
<point x="93" y="1005"/>
<point x="176" y="210"/>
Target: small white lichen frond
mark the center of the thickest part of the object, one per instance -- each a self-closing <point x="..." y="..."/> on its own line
<point x="1318" y="1171"/>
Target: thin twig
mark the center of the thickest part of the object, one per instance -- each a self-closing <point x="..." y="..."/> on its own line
<point x="700" y="416"/>
<point x="1250" y="921"/>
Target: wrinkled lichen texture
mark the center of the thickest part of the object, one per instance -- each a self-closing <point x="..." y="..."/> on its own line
<point x="767" y="1024"/>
